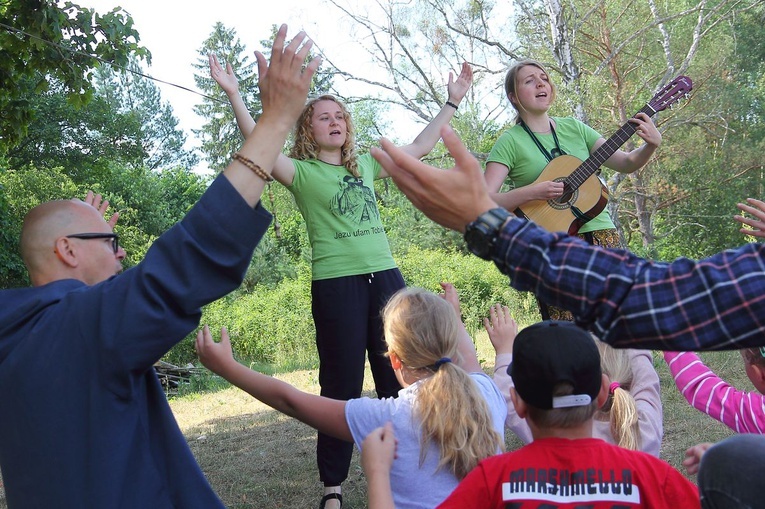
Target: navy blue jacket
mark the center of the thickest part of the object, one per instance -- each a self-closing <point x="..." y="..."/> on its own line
<point x="83" y="418"/>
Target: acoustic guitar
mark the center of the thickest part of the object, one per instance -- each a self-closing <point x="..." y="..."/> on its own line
<point x="584" y="194"/>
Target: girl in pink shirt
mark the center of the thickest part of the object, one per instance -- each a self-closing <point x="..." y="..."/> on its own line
<point x="741" y="411"/>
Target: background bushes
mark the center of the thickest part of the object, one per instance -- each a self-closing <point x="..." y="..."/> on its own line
<point x="273" y="324"/>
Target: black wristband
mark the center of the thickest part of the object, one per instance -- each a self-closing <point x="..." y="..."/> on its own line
<point x="449" y="103"/>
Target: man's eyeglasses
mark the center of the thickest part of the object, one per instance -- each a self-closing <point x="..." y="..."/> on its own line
<point x="115" y="238"/>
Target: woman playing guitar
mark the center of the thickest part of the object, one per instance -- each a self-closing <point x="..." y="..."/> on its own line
<point x="522" y="152"/>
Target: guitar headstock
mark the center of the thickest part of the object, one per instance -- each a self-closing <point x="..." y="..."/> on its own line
<point x="673" y="92"/>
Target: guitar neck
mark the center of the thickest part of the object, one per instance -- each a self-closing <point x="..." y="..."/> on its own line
<point x="597" y="158"/>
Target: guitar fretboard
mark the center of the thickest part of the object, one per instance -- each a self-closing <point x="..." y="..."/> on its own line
<point x="605" y="151"/>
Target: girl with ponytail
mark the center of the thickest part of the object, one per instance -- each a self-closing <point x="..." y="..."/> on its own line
<point x="447" y="418"/>
<point x="631" y="417"/>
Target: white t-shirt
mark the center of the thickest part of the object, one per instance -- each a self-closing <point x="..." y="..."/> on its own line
<point x="415" y="486"/>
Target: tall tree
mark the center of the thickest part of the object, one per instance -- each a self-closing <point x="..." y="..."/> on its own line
<point x="43" y="40"/>
<point x="132" y="93"/>
<point x="82" y="140"/>
<point x="220" y="135"/>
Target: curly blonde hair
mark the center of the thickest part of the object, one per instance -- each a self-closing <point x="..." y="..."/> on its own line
<point x="305" y="147"/>
<point x="511" y="83"/>
<point x="421" y="328"/>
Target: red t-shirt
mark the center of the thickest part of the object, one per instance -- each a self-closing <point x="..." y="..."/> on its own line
<point x="556" y="473"/>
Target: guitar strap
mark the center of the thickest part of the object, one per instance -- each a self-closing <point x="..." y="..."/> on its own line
<point x="557" y="151"/>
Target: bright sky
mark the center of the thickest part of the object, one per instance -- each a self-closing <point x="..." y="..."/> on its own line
<point x="173" y="30"/>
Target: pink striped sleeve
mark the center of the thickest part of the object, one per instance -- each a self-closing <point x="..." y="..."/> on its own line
<point x="743" y="412"/>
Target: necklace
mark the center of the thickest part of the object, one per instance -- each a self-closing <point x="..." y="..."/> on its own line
<point x="557" y="151"/>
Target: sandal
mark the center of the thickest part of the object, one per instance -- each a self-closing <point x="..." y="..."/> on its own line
<point x="330" y="496"/>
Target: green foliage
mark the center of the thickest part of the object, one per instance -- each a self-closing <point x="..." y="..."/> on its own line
<point x="370" y="124"/>
<point x="12" y="272"/>
<point x="148" y="202"/>
<point x="273" y="325"/>
<point x="131" y="94"/>
<point x="82" y="140"/>
<point x="43" y="41"/>
<point x="220" y="135"/>
<point x="478" y="283"/>
<point x="270" y="325"/>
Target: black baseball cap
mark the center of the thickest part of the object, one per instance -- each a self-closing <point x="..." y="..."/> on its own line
<point x="551" y="352"/>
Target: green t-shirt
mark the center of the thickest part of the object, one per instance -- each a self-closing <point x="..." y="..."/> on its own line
<point x="516" y="150"/>
<point x="340" y="212"/>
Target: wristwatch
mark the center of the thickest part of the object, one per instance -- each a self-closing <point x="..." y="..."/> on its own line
<point x="481" y="234"/>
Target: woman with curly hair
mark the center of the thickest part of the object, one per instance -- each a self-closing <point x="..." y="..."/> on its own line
<point x="353" y="271"/>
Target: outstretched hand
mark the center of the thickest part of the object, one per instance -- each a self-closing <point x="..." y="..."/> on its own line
<point x="693" y="456"/>
<point x="94" y="200"/>
<point x="459" y="87"/>
<point x="225" y="78"/>
<point x="284" y="81"/>
<point x="502" y="328"/>
<point x="214" y="356"/>
<point x="450" y="296"/>
<point x="755" y="208"/>
<point x="451" y="198"/>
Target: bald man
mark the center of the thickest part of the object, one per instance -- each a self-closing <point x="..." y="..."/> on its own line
<point x="83" y="418"/>
<point x="90" y="257"/>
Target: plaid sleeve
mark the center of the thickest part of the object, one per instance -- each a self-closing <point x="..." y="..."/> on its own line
<point x="711" y="304"/>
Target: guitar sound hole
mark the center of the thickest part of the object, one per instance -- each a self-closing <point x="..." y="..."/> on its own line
<point x="565" y="201"/>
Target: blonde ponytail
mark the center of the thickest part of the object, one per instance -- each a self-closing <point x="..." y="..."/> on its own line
<point x="423" y="330"/>
<point x="621" y="408"/>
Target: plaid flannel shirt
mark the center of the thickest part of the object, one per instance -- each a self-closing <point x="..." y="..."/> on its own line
<point x="717" y="303"/>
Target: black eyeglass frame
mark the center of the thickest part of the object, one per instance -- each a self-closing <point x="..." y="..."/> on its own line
<point x="88" y="236"/>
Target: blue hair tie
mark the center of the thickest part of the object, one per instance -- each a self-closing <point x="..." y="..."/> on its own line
<point x="441" y="361"/>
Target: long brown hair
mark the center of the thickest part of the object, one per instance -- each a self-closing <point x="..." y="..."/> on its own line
<point x="305" y="147"/>
<point x="421" y="328"/>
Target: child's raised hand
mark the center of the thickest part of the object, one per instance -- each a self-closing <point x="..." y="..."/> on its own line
<point x="450" y="296"/>
<point x="693" y="457"/>
<point x="755" y="208"/>
<point x="214" y="356"/>
<point x="378" y="450"/>
<point x="501" y="328"/>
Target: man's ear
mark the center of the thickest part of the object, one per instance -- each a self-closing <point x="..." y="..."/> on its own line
<point x="603" y="395"/>
<point x="65" y="252"/>
<point x="520" y="406"/>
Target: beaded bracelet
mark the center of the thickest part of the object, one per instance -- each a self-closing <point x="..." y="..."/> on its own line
<point x="449" y="103"/>
<point x="257" y="170"/>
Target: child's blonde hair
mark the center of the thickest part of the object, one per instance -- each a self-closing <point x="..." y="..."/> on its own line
<point x="620" y="408"/>
<point x="421" y="328"/>
<point x="305" y="147"/>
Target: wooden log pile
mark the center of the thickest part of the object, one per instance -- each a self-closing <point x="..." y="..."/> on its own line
<point x="173" y="377"/>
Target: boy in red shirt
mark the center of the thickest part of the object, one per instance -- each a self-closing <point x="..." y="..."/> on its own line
<point x="558" y="387"/>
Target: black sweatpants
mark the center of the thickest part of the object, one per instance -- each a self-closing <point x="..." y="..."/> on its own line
<point x="346" y="312"/>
